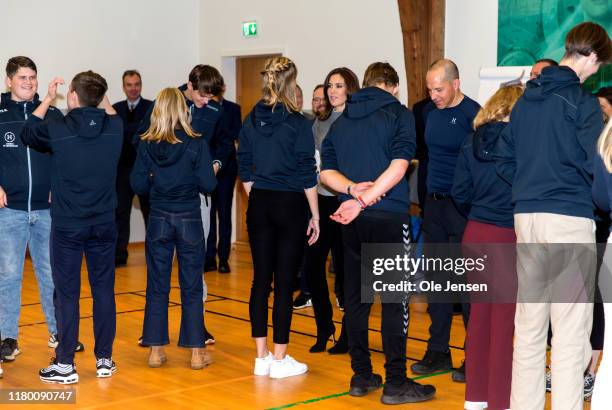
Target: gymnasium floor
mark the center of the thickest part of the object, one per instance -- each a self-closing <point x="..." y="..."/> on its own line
<point x="228" y="383"/>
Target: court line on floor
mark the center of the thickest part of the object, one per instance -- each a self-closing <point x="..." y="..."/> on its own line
<point x="336" y="395"/>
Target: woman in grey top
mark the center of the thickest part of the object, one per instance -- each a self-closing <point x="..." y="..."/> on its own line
<point x="339" y="84"/>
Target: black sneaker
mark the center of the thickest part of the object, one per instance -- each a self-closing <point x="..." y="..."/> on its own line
<point x="408" y="392"/>
<point x="209" y="339"/>
<point x="141" y="343"/>
<point x="589" y="384"/>
<point x="458" y="374"/>
<point x="432" y="362"/>
<point x="105" y="367"/>
<point x="59" y="373"/>
<point x="362" y="385"/>
<point x="52" y="343"/>
<point x="302" y="301"/>
<point x="9" y="349"/>
<point x="210" y="265"/>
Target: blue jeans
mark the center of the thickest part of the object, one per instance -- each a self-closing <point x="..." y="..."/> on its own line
<point x="68" y="245"/>
<point x="19" y="229"/>
<point x="167" y="231"/>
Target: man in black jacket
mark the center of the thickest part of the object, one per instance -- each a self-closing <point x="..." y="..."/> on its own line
<point x="85" y="147"/>
<point x="131" y="110"/>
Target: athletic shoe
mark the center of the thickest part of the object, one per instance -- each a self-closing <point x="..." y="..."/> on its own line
<point x="589" y="384"/>
<point x="209" y="339"/>
<point x="52" y="343"/>
<point x="287" y="367"/>
<point x="9" y="349"/>
<point x="1" y="371"/>
<point x="548" y="379"/>
<point x="105" y="367"/>
<point x="409" y="392"/>
<point x="475" y="405"/>
<point x="262" y="365"/>
<point x="458" y="374"/>
<point x="59" y="373"/>
<point x="361" y="385"/>
<point x="302" y="301"/>
<point x="433" y="362"/>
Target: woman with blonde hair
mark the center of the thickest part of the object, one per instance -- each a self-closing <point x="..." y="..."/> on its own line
<point x="486" y="199"/>
<point x="172" y="167"/>
<point x="602" y="196"/>
<point x="276" y="164"/>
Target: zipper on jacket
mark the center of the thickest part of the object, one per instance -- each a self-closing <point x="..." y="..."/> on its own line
<point x="25" y="115"/>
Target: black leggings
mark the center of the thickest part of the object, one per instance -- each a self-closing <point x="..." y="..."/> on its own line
<point x="316" y="257"/>
<point x="276" y="223"/>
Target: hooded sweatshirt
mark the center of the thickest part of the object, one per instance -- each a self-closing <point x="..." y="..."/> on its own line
<point x="24" y="173"/>
<point x="85" y="147"/>
<point x="276" y="150"/>
<point x="547" y="151"/>
<point x="173" y="175"/>
<point x="374" y="130"/>
<point x="477" y="187"/>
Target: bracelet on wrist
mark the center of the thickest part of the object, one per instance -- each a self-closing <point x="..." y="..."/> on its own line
<point x="348" y="189"/>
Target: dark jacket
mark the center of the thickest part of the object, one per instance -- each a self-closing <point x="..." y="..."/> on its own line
<point x="229" y="126"/>
<point x="477" y="188"/>
<point x="131" y="122"/>
<point x="25" y="175"/>
<point x="173" y="175"/>
<point x="276" y="150"/>
<point x="548" y="149"/>
<point x="374" y="129"/>
<point x="85" y="147"/>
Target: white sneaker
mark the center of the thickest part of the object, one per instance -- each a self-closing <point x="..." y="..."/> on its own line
<point x="287" y="367"/>
<point x="262" y="366"/>
<point x="52" y="343"/>
<point x="1" y="372"/>
<point x="475" y="405"/>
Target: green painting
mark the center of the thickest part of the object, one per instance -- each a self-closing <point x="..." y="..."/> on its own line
<point x="534" y="29"/>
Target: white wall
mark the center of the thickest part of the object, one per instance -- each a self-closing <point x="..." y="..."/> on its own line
<point x="63" y="37"/>
<point x="318" y="35"/>
<point x="470" y="39"/>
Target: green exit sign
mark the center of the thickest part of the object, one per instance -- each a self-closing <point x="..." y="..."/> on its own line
<point x="249" y="29"/>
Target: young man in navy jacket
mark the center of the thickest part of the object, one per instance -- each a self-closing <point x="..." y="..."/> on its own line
<point x="373" y="140"/>
<point x="25" y="221"/>
<point x="547" y="154"/>
<point x="131" y="110"/>
<point x="85" y="147"/>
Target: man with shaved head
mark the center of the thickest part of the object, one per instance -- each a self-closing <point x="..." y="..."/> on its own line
<point x="446" y="127"/>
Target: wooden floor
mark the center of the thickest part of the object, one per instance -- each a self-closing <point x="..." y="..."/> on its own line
<point x="228" y="383"/>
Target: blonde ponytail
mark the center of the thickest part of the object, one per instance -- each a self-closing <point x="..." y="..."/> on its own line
<point x="604" y="145"/>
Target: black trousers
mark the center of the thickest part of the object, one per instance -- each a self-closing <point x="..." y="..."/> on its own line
<point x="276" y="223"/>
<point x="125" y="195"/>
<point x="373" y="226"/>
<point x="442" y="223"/>
<point x="221" y="205"/>
<point x="315" y="268"/>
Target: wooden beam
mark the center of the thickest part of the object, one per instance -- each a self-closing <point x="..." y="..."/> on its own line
<point x="422" y="23"/>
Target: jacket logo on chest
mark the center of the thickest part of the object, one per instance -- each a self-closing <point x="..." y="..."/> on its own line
<point x="9" y="139"/>
<point x="453" y="120"/>
<point x="92" y="123"/>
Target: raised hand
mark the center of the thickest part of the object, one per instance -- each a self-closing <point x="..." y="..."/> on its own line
<point x="52" y="89"/>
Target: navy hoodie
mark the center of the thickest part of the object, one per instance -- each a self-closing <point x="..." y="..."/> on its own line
<point x="276" y="150"/>
<point x="173" y="175"/>
<point x="85" y="147"/>
<point x="547" y="151"/>
<point x="24" y="174"/>
<point x="477" y="186"/>
<point x="374" y="129"/>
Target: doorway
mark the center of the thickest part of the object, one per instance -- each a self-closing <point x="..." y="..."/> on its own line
<point x="248" y="92"/>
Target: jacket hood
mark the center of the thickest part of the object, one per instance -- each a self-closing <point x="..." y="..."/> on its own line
<point x="265" y="117"/>
<point x="550" y="81"/>
<point x="366" y="101"/>
<point x="5" y="101"/>
<point x="165" y="154"/>
<point x="86" y="121"/>
<point x="485" y="140"/>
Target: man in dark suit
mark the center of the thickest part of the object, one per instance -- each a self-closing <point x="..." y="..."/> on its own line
<point x="131" y="110"/>
<point x="230" y="123"/>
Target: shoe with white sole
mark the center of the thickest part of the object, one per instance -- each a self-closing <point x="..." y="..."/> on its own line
<point x="287" y="367"/>
<point x="262" y="365"/>
<point x="475" y="405"/>
<point x="59" y="373"/>
<point x="105" y="367"/>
